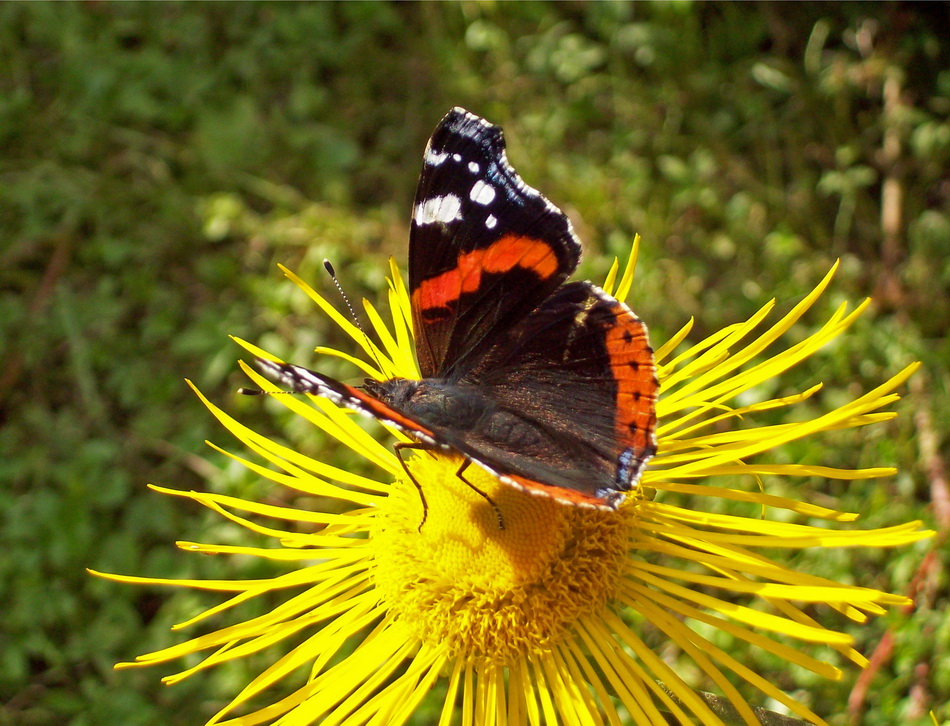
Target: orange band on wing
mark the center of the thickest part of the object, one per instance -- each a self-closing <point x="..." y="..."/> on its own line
<point x="631" y="359"/>
<point x="505" y="254"/>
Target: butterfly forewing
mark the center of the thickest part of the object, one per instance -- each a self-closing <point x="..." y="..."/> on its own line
<point x="484" y="248"/>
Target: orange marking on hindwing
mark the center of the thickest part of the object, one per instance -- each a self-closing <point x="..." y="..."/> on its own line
<point x="631" y="358"/>
<point x="507" y="253"/>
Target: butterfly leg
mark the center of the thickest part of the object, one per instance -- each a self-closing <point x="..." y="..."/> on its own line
<point x="398" y="447"/>
<point x="465" y="464"/>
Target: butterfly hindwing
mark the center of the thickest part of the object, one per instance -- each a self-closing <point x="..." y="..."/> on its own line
<point x="579" y="369"/>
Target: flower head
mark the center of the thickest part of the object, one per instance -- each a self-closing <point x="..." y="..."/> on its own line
<point x="541" y="621"/>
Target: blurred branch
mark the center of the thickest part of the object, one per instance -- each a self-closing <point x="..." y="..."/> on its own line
<point x="926" y="578"/>
<point x="55" y="268"/>
<point x="892" y="194"/>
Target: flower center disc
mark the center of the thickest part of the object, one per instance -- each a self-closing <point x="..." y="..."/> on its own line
<point x="485" y="591"/>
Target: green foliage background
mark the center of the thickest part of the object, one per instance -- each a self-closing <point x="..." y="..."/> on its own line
<point x="158" y="160"/>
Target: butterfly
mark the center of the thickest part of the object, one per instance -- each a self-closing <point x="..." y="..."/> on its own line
<point x="548" y="385"/>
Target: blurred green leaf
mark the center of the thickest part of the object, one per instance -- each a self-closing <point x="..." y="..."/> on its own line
<point x="159" y="160"/>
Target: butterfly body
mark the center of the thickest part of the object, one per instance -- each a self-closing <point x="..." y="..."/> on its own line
<point x="547" y="384"/>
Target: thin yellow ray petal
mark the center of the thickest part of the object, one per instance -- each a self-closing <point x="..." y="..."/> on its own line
<point x="297" y="479"/>
<point x="276" y="672"/>
<point x="288" y="538"/>
<point x="501" y="699"/>
<point x="254" y="350"/>
<point x="323" y="581"/>
<point x="662" y="672"/>
<point x="566" y="672"/>
<point x="484" y="706"/>
<point x="631" y="682"/>
<point x="628" y="680"/>
<point x="522" y="708"/>
<point x="678" y="429"/>
<point x="215" y="638"/>
<point x="318" y="607"/>
<point x="627" y="687"/>
<point x="268" y="714"/>
<point x="300" y="483"/>
<point x="582" y="672"/>
<point x="695" y="373"/>
<point x="406" y="361"/>
<point x="543" y="691"/>
<point x="832" y="593"/>
<point x="346" y="592"/>
<point x="489" y="677"/>
<point x="766" y="687"/>
<point x="797" y="470"/>
<point x="393" y="353"/>
<point x="770" y="533"/>
<point x="251" y="637"/>
<point x="730" y="445"/>
<point x="527" y="692"/>
<point x="793" y="612"/>
<point x="695" y="353"/>
<point x="211" y="585"/>
<point x="276" y="554"/>
<point x="766" y="500"/>
<point x="727" y="558"/>
<point x="759" y="568"/>
<point x="668" y="347"/>
<point x="702" y="386"/>
<point x="402" y="294"/>
<point x="337" y="633"/>
<point x="328" y="417"/>
<point x="368" y="368"/>
<point x="611" y="278"/>
<point x="562" y="694"/>
<point x="626" y="281"/>
<point x="262" y="444"/>
<point x="468" y="696"/>
<point x="360" y="681"/>
<point x="395" y="703"/>
<point x="352" y="681"/>
<point x="701" y="382"/>
<point x="685" y="638"/>
<point x="337" y="317"/>
<point x="354" y="521"/>
<point x="448" y="708"/>
<point x="633" y="593"/>
<point x="783" y="434"/>
<point x="266" y="510"/>
<point x="747" y="615"/>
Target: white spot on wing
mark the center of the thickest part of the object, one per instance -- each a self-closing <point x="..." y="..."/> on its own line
<point x="473" y="167"/>
<point x="482" y="193"/>
<point x="434" y="158"/>
<point x="456" y="157"/>
<point x="438" y="209"/>
<point x="491" y="221"/>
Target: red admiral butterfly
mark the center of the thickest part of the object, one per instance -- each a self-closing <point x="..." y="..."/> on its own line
<point x="548" y="385"/>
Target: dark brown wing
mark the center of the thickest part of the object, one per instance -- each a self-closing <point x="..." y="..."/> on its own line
<point x="485" y="249"/>
<point x="580" y="370"/>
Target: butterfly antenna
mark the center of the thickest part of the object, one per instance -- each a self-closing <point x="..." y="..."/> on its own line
<point x="356" y="321"/>
<point x="369" y="344"/>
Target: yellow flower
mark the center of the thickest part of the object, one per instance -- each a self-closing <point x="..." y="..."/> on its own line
<point x="541" y="622"/>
